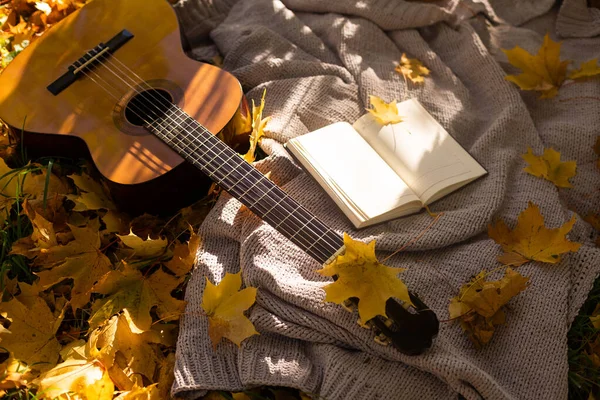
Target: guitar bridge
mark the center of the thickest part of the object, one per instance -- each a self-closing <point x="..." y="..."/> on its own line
<point x="88" y="60"/>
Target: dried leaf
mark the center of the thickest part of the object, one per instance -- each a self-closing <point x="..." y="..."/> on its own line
<point x="31" y="335"/>
<point x="412" y="69"/>
<point x="82" y="261"/>
<point x="140" y="248"/>
<point x="118" y="336"/>
<point x="85" y="379"/>
<point x="224" y="305"/>
<point x="14" y="374"/>
<point x="531" y="240"/>
<point x="384" y="113"/>
<point x="137" y="294"/>
<point x="586" y="70"/>
<point x="543" y="72"/>
<point x="258" y="128"/>
<point x="184" y="255"/>
<point x="361" y="275"/>
<point x="479" y="302"/>
<point x="92" y="195"/>
<point x="549" y="167"/>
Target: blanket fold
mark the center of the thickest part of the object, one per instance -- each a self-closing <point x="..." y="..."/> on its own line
<point x="319" y="62"/>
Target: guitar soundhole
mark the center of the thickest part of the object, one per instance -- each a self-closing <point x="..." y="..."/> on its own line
<point x="147" y="106"/>
<point x="144" y="103"/>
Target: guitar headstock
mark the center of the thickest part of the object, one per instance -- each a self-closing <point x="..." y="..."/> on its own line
<point x="410" y="330"/>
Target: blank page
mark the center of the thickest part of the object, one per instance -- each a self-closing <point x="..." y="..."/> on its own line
<point x="420" y="151"/>
<point x="343" y="163"/>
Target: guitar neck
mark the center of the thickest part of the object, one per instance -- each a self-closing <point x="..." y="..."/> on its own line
<point x="240" y="179"/>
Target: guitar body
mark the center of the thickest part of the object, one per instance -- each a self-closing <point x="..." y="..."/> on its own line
<point x="92" y="115"/>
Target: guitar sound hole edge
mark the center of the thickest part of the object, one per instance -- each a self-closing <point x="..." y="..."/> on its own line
<point x="127" y="114"/>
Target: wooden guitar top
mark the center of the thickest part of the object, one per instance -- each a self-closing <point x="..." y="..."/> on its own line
<point x="123" y="153"/>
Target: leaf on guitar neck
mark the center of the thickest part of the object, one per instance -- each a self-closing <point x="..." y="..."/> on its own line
<point x="362" y="276"/>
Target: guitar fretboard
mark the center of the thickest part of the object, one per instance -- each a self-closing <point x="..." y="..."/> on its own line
<point x="240" y="179"/>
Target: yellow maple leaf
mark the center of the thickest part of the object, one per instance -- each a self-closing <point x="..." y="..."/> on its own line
<point x="81" y="260"/>
<point x="258" y="128"/>
<point x="184" y="255"/>
<point x="361" y="275"/>
<point x="384" y="113"/>
<point x="92" y="195"/>
<point x="80" y="378"/>
<point x="137" y="294"/>
<point x="31" y="336"/>
<point x="549" y="167"/>
<point x="224" y="305"/>
<point x="586" y="70"/>
<point x="412" y="69"/>
<point x="140" y="248"/>
<point x="543" y="72"/>
<point x="479" y="302"/>
<point x="531" y="240"/>
<point x="122" y="350"/>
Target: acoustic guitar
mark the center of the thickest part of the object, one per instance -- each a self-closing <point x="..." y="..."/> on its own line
<point x="112" y="80"/>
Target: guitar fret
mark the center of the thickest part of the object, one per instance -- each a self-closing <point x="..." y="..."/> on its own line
<point x="252" y="188"/>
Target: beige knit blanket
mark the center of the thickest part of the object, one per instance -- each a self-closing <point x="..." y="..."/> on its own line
<point x="319" y="61"/>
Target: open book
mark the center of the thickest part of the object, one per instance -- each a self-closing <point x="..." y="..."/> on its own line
<point x="375" y="173"/>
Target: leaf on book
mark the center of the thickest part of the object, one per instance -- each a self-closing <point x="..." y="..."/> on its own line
<point x="258" y="128"/>
<point x="384" y="113"/>
<point x="361" y="275"/>
<point x="479" y="302"/>
<point x="412" y="69"/>
<point x="224" y="305"/>
<point x="587" y="69"/>
<point x="549" y="167"/>
<point x="543" y="72"/>
<point x="531" y="240"/>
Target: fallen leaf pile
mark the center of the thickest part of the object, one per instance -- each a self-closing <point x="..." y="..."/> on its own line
<point x="23" y="21"/>
<point x="91" y="297"/>
<point x="545" y="72"/>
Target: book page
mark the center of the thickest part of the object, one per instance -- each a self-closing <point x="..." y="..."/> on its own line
<point x="420" y="150"/>
<point x="355" y="176"/>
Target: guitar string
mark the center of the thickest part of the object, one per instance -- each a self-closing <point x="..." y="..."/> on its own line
<point x="322" y="254"/>
<point x="334" y="247"/>
<point x="247" y="165"/>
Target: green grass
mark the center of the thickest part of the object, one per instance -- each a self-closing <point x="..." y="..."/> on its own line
<point x="584" y="377"/>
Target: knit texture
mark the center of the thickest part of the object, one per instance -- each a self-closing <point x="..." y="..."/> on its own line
<point x="319" y="61"/>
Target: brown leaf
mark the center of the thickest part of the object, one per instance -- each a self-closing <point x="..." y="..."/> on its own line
<point x="479" y="302"/>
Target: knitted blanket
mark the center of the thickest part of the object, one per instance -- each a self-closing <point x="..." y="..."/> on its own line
<point x="319" y="61"/>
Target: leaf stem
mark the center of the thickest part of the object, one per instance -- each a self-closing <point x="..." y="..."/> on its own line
<point x="415" y="239"/>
